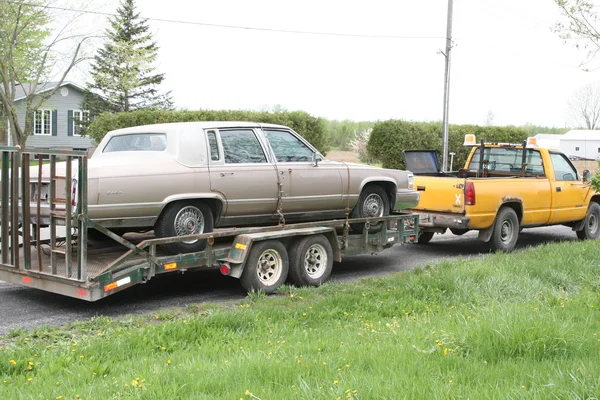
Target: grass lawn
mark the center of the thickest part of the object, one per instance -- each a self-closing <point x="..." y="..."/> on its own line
<point x="524" y="325"/>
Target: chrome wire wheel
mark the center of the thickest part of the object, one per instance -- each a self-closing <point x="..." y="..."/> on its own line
<point x="373" y="206"/>
<point x="507" y="231"/>
<point x="189" y="221"/>
<point x="269" y="267"/>
<point x="315" y="261"/>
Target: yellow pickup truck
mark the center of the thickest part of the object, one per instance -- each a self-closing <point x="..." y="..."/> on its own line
<point x="503" y="189"/>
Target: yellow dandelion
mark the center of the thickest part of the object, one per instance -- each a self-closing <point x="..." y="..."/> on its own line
<point x="13" y="362"/>
<point x="29" y="379"/>
<point x="168" y="362"/>
<point x="100" y="334"/>
<point x="336" y="382"/>
<point x="247" y="391"/>
<point x="59" y="397"/>
<point x="324" y="363"/>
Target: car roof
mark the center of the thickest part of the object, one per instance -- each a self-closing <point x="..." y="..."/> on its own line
<point x="176" y="126"/>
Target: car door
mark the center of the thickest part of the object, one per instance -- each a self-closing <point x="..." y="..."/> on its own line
<point x="307" y="186"/>
<point x="241" y="173"/>
<point x="568" y="192"/>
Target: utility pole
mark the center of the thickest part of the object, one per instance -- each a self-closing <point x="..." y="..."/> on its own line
<point x="447" y="89"/>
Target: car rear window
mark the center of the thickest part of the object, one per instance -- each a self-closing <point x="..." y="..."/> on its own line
<point x="137" y="142"/>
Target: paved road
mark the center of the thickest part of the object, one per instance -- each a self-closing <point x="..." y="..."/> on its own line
<point x="22" y="307"/>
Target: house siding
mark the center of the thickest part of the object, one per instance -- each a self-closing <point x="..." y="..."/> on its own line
<point x="62" y="105"/>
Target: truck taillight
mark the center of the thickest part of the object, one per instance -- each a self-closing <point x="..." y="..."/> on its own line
<point x="469" y="194"/>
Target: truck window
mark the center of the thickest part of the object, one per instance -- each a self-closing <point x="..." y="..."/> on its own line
<point x="503" y="159"/>
<point x="563" y="169"/>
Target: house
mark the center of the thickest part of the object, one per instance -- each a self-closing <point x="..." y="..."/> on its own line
<point x="581" y="144"/>
<point x="551" y="141"/>
<point x="55" y="123"/>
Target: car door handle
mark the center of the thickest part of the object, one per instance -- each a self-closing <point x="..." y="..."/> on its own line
<point x="558" y="189"/>
<point x="226" y="173"/>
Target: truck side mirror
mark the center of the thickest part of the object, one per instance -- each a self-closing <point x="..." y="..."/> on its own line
<point x="586" y="176"/>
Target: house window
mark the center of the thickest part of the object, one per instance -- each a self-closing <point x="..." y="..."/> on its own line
<point x="598" y="149"/>
<point x="576" y="148"/>
<point x="79" y="116"/>
<point x="42" y="122"/>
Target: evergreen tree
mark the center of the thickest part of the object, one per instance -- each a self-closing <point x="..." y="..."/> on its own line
<point x="123" y="76"/>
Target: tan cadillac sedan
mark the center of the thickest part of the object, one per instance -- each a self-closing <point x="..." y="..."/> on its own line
<point x="187" y="178"/>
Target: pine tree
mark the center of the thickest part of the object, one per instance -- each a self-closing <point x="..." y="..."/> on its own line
<point x="123" y="76"/>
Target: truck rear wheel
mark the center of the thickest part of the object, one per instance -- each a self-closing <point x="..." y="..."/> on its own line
<point x="373" y="202"/>
<point x="266" y="268"/>
<point x="425" y="237"/>
<point x="311" y="261"/>
<point x="591" y="228"/>
<point x="506" y="230"/>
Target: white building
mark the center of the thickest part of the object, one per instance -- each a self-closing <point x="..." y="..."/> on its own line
<point x="583" y="144"/>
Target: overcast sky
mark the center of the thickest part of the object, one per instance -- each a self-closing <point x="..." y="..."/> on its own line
<point x="506" y="59"/>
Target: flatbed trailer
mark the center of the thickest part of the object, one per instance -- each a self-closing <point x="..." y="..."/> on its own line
<point x="67" y="263"/>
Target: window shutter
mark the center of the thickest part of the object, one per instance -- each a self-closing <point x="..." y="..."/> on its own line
<point x="54" y="122"/>
<point x="70" y="123"/>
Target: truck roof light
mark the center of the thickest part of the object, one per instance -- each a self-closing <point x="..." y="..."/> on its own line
<point x="531" y="141"/>
<point x="470" y="140"/>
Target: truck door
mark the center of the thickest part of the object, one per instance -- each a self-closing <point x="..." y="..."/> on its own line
<point x="568" y="191"/>
<point x="242" y="174"/>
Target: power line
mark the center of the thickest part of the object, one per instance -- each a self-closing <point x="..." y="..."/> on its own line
<point x="174" y="21"/>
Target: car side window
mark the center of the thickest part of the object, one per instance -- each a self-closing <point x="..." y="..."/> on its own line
<point x="563" y="170"/>
<point x="287" y="147"/>
<point x="213" y="147"/>
<point x="241" y="146"/>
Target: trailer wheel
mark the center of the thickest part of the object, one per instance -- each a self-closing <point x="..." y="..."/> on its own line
<point x="425" y="237"/>
<point x="266" y="268"/>
<point x="184" y="218"/>
<point x="506" y="230"/>
<point x="591" y="228"/>
<point x="311" y="261"/>
<point x="373" y="202"/>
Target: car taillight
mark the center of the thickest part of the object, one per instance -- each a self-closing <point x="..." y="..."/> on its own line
<point x="411" y="180"/>
<point x="74" y="193"/>
<point x="469" y="194"/>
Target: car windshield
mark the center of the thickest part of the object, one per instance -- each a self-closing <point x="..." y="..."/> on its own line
<point x="137" y="142"/>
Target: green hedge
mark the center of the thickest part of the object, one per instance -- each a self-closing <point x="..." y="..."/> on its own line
<point x="390" y="138"/>
<point x="311" y="128"/>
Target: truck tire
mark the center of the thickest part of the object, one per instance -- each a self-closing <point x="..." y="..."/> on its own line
<point x="506" y="230"/>
<point x="425" y="237"/>
<point x="372" y="202"/>
<point x="311" y="261"/>
<point x="184" y="218"/>
<point x="591" y="228"/>
<point x="266" y="268"/>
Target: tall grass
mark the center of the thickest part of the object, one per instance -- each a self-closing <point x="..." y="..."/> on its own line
<point x="522" y="325"/>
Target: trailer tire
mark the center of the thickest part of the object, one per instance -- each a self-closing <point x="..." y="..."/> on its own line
<point x="266" y="268"/>
<point x="311" y="261"/>
<point x="591" y="227"/>
<point x="184" y="218"/>
<point x="506" y="230"/>
<point x="372" y="202"/>
<point x="425" y="237"/>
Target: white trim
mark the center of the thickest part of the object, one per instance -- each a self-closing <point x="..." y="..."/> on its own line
<point x="82" y="114"/>
<point x="43" y="122"/>
<point x="51" y="88"/>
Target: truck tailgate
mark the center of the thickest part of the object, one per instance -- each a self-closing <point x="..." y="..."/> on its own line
<point x="440" y="194"/>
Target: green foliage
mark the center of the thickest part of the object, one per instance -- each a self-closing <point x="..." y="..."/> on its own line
<point x="390" y="138"/>
<point x="342" y="133"/>
<point x="122" y="72"/>
<point x="311" y="128"/>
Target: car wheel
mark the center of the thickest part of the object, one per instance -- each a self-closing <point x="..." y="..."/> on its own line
<point x="311" y="261"/>
<point x="266" y="268"/>
<point x="373" y="202"/>
<point x="425" y="237"/>
<point x="506" y="230"/>
<point x="591" y="228"/>
<point x="184" y="218"/>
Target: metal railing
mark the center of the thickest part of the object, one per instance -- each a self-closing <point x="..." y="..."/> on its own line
<point x="24" y="220"/>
